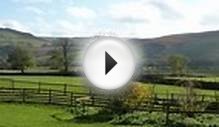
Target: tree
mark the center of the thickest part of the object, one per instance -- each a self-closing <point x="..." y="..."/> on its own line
<point x="178" y="64"/>
<point x="61" y="56"/>
<point x="55" y="60"/>
<point x="20" y="58"/>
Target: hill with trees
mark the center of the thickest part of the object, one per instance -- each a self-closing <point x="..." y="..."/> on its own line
<point x="201" y="49"/>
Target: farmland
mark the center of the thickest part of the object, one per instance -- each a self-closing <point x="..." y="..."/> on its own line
<point x="50" y="115"/>
<point x="22" y="115"/>
<point x="207" y="79"/>
<point x="79" y="81"/>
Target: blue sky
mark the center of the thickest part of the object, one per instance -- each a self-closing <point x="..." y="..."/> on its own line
<point x="129" y="18"/>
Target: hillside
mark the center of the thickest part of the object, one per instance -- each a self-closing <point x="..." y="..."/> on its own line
<point x="201" y="49"/>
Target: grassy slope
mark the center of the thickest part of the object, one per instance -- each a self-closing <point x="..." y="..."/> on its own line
<point x="22" y="115"/>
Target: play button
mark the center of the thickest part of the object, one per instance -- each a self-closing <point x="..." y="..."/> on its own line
<point x="108" y="63"/>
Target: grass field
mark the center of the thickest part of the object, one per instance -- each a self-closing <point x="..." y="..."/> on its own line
<point x="56" y="82"/>
<point x="208" y="79"/>
<point x="32" y="115"/>
<point x="78" y="81"/>
<point x="24" y="115"/>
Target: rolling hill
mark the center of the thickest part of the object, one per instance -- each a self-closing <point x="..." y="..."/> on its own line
<point x="202" y="49"/>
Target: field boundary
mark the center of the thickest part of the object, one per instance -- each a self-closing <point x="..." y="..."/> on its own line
<point x="12" y="83"/>
<point x="168" y="105"/>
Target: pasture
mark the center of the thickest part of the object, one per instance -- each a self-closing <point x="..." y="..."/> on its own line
<point x="23" y="115"/>
<point x="72" y="82"/>
<point x="34" y="115"/>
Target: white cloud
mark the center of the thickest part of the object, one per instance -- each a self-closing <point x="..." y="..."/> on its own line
<point x="130" y="18"/>
<point x="13" y="24"/>
<point x="152" y="18"/>
<point x="133" y="12"/>
<point x="61" y="28"/>
<point x="32" y="1"/>
<point x="81" y="12"/>
<point x="35" y="10"/>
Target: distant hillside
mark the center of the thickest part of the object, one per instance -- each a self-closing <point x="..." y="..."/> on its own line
<point x="13" y="36"/>
<point x="202" y="49"/>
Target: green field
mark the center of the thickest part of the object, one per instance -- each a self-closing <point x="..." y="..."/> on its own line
<point x="78" y="81"/>
<point x="207" y="79"/>
<point x="55" y="82"/>
<point x="32" y="115"/>
<point x="23" y="115"/>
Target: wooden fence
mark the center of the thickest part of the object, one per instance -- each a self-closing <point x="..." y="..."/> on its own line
<point x="171" y="103"/>
<point x="60" y="97"/>
<point x="12" y="83"/>
<point x="80" y="96"/>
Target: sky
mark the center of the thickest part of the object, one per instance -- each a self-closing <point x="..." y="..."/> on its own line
<point x="123" y="18"/>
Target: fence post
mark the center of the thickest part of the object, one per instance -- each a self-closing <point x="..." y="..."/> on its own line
<point x="92" y="99"/>
<point x="65" y="89"/>
<point x="50" y="96"/>
<point x="155" y="98"/>
<point x="23" y="94"/>
<point x="167" y="96"/>
<point x="167" y="114"/>
<point x="71" y="99"/>
<point x="203" y="98"/>
<point x="74" y="101"/>
<point x="12" y="83"/>
<point x="83" y="108"/>
<point x="172" y="97"/>
<point x="215" y="94"/>
<point x="39" y="87"/>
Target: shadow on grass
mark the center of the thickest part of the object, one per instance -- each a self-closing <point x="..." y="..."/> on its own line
<point x="99" y="117"/>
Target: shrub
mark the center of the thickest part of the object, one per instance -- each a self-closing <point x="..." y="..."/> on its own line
<point x="140" y="118"/>
<point x="138" y="95"/>
<point x="133" y="98"/>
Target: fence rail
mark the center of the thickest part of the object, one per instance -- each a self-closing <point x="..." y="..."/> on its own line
<point x="75" y="96"/>
<point x="12" y="83"/>
<point x="168" y="105"/>
<point x="59" y="97"/>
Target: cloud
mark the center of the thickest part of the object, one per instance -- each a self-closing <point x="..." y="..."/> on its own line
<point x="81" y="12"/>
<point x="166" y="10"/>
<point x="152" y="18"/>
<point x="132" y="12"/>
<point x="35" y="10"/>
<point x="32" y="1"/>
<point x="130" y="18"/>
<point x="13" y="24"/>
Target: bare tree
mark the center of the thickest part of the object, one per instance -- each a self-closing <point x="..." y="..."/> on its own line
<point x="65" y="47"/>
<point x="178" y="64"/>
<point x="62" y="54"/>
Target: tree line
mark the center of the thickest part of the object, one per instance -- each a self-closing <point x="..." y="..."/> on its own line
<point x="22" y="57"/>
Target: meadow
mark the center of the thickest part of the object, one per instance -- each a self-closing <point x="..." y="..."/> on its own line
<point x="34" y="115"/>
<point x="73" y="82"/>
<point x="24" y="115"/>
<point x="207" y="79"/>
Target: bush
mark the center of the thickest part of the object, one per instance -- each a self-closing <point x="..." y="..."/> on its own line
<point x="158" y="120"/>
<point x="140" y="118"/>
<point x="138" y="95"/>
<point x="131" y="99"/>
